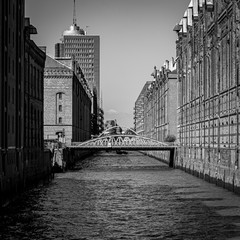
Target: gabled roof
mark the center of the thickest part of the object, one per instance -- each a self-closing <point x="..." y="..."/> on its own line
<point x="53" y="63"/>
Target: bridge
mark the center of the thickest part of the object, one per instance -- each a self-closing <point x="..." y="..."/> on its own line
<point x="116" y="139"/>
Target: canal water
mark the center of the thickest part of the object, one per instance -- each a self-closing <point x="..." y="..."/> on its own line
<point x="128" y="196"/>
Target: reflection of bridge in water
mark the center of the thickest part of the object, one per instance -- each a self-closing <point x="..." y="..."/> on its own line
<point x="117" y="139"/>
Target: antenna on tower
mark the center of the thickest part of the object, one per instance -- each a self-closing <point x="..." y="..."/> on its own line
<point x="74" y="13"/>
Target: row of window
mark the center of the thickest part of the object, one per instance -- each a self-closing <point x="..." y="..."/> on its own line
<point x="11" y="123"/>
<point x="11" y="95"/>
<point x="87" y="70"/>
<point x="87" y="65"/>
<point x="79" y="39"/>
<point x="76" y="48"/>
<point x="79" y="53"/>
<point x="60" y="108"/>
<point x="81" y="59"/>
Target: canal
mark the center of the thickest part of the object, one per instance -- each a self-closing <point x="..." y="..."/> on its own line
<point x="128" y="196"/>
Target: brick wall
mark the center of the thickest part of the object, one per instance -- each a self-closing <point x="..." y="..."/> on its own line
<point x="208" y="121"/>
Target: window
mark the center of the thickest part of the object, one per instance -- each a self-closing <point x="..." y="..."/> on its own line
<point x="60" y="108"/>
<point x="8" y="124"/>
<point x="13" y="67"/>
<point x="60" y="95"/>
<point x="60" y="120"/>
<point x="12" y="124"/>
<point x="12" y="95"/>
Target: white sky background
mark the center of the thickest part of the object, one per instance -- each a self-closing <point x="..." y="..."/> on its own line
<point x="135" y="36"/>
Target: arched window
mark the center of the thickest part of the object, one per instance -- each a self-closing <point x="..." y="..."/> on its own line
<point x="60" y="120"/>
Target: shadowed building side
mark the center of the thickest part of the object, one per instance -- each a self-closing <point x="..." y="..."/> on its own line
<point x="11" y="96"/>
<point x="23" y="161"/>
<point x="34" y="166"/>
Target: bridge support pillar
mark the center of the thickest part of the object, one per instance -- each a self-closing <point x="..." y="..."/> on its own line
<point x="171" y="158"/>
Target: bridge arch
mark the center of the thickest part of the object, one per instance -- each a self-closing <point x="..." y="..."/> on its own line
<point x="129" y="142"/>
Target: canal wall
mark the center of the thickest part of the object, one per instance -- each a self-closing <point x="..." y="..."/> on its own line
<point x="218" y="168"/>
<point x="65" y="158"/>
<point x="29" y="173"/>
<point x="162" y="156"/>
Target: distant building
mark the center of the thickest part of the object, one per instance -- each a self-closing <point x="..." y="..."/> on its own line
<point x="85" y="49"/>
<point x="155" y="111"/>
<point x="139" y="110"/>
<point x="160" y="104"/>
<point x="67" y="101"/>
<point x="110" y="123"/>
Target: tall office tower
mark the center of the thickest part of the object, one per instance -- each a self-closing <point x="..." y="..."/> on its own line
<point x="86" y="50"/>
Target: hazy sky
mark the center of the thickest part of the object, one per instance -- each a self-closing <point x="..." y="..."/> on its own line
<point x="135" y="36"/>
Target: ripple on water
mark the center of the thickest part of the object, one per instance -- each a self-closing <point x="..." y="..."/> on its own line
<point x="118" y="197"/>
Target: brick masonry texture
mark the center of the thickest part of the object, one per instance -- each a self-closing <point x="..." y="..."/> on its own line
<point x="207" y="96"/>
<point x="63" y="87"/>
<point x="208" y="113"/>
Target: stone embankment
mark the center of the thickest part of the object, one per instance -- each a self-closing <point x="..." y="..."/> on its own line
<point x="212" y="168"/>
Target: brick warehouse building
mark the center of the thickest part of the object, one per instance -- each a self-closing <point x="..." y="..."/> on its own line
<point x="15" y="48"/>
<point x="11" y="93"/>
<point x="160" y="104"/>
<point x="156" y="107"/>
<point x="67" y="101"/>
<point x="139" y="110"/>
<point x="34" y="167"/>
<point x="209" y="87"/>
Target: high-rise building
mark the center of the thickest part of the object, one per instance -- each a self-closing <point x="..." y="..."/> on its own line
<point x="85" y="49"/>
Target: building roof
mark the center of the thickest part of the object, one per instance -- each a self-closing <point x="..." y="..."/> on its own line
<point x="53" y="63"/>
<point x="74" y="30"/>
<point x="144" y="89"/>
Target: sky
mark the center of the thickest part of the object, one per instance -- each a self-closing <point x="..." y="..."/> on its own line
<point x="135" y="36"/>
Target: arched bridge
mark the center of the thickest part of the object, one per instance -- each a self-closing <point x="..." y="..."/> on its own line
<point x="124" y="140"/>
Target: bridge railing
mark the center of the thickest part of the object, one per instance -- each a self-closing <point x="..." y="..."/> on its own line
<point x="121" y="140"/>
